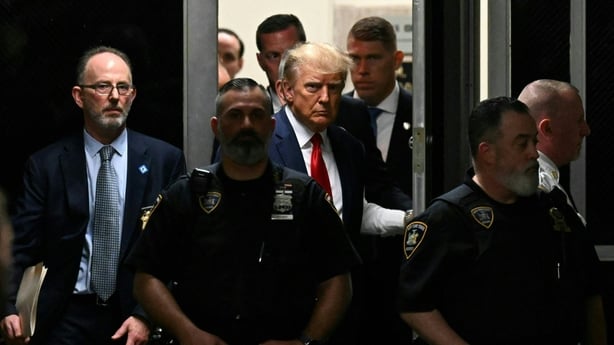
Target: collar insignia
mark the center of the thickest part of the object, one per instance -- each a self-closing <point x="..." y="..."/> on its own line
<point x="559" y="220"/>
<point x="143" y="169"/>
<point x="414" y="233"/>
<point x="555" y="175"/>
<point x="484" y="215"/>
<point x="209" y="201"/>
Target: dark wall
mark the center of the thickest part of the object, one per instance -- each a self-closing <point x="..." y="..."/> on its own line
<point x="40" y="42"/>
<point x="599" y="155"/>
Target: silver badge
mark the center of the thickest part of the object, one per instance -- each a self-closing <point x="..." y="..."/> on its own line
<point x="282" y="202"/>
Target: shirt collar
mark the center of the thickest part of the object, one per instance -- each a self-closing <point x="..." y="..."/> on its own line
<point x="390" y="103"/>
<point x="548" y="172"/>
<point x="92" y="146"/>
<point x="303" y="134"/>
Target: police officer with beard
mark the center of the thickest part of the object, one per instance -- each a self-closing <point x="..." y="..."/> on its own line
<point x="494" y="261"/>
<point x="255" y="253"/>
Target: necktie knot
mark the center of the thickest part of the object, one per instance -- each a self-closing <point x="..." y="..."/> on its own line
<point x="316" y="140"/>
<point x="374" y="112"/>
<point x="106" y="152"/>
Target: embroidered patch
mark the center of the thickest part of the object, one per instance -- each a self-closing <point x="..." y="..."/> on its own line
<point x="414" y="233"/>
<point x="148" y="210"/>
<point x="209" y="201"/>
<point x="484" y="215"/>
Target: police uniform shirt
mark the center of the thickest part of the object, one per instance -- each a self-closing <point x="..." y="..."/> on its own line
<point x="495" y="274"/>
<point x="238" y="272"/>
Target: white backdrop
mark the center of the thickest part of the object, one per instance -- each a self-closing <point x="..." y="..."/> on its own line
<point x="324" y="21"/>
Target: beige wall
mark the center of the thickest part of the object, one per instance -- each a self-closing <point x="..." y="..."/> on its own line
<point x="324" y="21"/>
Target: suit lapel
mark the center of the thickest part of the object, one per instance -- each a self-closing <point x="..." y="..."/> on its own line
<point x="138" y="174"/>
<point x="343" y="159"/>
<point x="285" y="148"/>
<point x="399" y="139"/>
<point x="74" y="175"/>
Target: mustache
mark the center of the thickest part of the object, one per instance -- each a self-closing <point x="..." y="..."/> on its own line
<point x="247" y="134"/>
<point x="113" y="108"/>
<point x="533" y="165"/>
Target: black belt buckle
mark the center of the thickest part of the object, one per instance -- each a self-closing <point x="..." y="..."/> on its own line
<point x="100" y="302"/>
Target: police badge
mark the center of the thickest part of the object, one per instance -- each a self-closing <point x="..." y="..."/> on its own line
<point x="209" y="201"/>
<point x="484" y="215"/>
<point x="282" y="202"/>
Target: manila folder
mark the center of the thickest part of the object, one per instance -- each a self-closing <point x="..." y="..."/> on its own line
<point x="27" y="296"/>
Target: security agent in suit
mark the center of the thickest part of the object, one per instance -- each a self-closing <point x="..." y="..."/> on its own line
<point x="53" y="223"/>
<point x="371" y="43"/>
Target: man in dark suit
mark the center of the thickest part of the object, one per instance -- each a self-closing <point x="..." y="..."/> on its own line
<point x="55" y="218"/>
<point x="371" y="44"/>
<point x="312" y="82"/>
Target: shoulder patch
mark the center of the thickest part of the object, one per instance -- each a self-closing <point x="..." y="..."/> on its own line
<point x="483" y="215"/>
<point x="148" y="210"/>
<point x="414" y="233"/>
<point x="209" y="201"/>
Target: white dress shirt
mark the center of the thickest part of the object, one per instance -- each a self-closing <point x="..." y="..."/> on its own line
<point x="549" y="179"/>
<point x="376" y="220"/>
<point x="385" y="121"/>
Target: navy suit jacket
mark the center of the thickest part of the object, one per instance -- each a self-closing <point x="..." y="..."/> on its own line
<point x="350" y="158"/>
<point x="52" y="216"/>
<point x="399" y="160"/>
<point x="382" y="185"/>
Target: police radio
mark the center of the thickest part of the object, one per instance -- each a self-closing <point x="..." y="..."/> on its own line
<point x="199" y="180"/>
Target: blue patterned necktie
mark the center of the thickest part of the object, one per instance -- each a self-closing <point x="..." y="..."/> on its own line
<point x="374" y="112"/>
<point x="105" y="252"/>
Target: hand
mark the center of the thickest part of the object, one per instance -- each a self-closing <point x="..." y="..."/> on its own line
<point x="136" y="329"/>
<point x="11" y="330"/>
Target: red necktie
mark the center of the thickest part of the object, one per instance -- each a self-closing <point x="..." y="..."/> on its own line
<point x="318" y="168"/>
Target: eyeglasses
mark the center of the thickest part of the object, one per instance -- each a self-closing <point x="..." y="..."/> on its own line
<point x="105" y="89"/>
